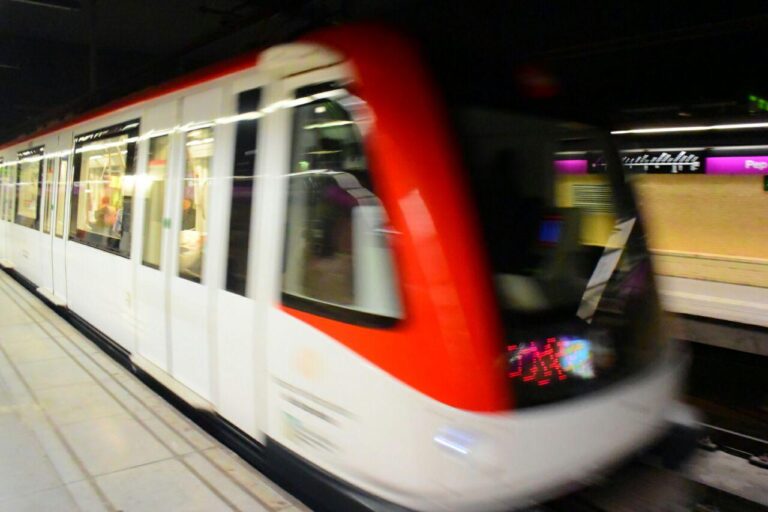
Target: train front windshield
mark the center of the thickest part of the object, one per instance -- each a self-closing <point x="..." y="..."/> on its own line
<point x="570" y="267"/>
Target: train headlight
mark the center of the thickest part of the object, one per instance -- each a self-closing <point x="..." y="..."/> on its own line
<point x="468" y="449"/>
<point x="454" y="440"/>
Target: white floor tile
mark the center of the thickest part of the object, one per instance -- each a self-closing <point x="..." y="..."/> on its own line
<point x="168" y="436"/>
<point x="9" y="308"/>
<point x="63" y="460"/>
<point x="267" y="492"/>
<point x="34" y="349"/>
<point x="137" y="388"/>
<point x="139" y="407"/>
<point x="77" y="341"/>
<point x="107" y="363"/>
<point x="191" y="432"/>
<point x="14" y="390"/>
<point x="25" y="468"/>
<point x="78" y="402"/>
<point x="57" y="499"/>
<point x="20" y="332"/>
<point x="100" y="365"/>
<point x="166" y="485"/>
<point x="86" y="497"/>
<point x="240" y="497"/>
<point x="110" y="444"/>
<point x="63" y="328"/>
<point x="11" y="315"/>
<point x="53" y="372"/>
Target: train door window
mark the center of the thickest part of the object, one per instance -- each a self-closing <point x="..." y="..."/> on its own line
<point x="155" y="193"/>
<point x="10" y="193"/>
<point x="48" y="199"/>
<point x="61" y="190"/>
<point x="242" y="192"/>
<point x="13" y="171"/>
<point x="338" y="260"/>
<point x="192" y="237"/>
<point x="4" y="181"/>
<point x="28" y="184"/>
<point x="4" y="190"/>
<point x="102" y="191"/>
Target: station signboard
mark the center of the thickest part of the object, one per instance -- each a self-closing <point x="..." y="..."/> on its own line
<point x="654" y="162"/>
<point x="669" y="162"/>
<point x="737" y="165"/>
<point x="664" y="162"/>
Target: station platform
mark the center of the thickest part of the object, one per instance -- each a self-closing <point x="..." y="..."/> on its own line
<point x="79" y="432"/>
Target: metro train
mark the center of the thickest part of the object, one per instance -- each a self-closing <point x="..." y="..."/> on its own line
<point x="399" y="296"/>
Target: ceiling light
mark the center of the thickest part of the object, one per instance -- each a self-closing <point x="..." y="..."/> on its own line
<point x="677" y="129"/>
<point x="64" y="5"/>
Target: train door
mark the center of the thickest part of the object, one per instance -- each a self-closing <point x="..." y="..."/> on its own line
<point x="240" y="361"/>
<point x="3" y="208"/>
<point x="11" y="191"/>
<point x="45" y="285"/>
<point x="195" y="268"/>
<point x="328" y="259"/>
<point x="99" y="249"/>
<point x="5" y="195"/>
<point x="27" y="219"/>
<point x="6" y="174"/>
<point x="59" y="222"/>
<point x="157" y="156"/>
<point x="9" y="196"/>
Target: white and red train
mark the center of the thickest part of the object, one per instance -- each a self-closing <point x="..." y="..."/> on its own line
<point x="400" y="295"/>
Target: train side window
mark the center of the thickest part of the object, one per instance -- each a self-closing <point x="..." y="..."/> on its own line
<point x="102" y="191"/>
<point x="155" y="192"/>
<point x="242" y="192"/>
<point x="338" y="261"/>
<point x="194" y="201"/>
<point x="28" y="187"/>
<point x="61" y="190"/>
<point x="48" y="198"/>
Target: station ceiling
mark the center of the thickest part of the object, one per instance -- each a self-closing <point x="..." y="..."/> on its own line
<point x="623" y="61"/>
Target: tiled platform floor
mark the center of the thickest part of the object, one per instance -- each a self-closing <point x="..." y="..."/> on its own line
<point x="79" y="432"/>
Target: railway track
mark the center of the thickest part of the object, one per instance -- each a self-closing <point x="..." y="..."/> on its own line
<point x="646" y="488"/>
<point x="731" y="390"/>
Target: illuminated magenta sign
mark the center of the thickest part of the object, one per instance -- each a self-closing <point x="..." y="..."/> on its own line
<point x="571" y="166"/>
<point x="737" y="165"/>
